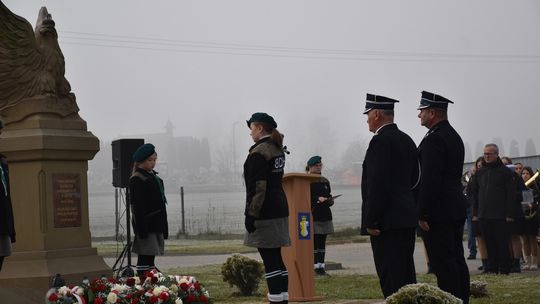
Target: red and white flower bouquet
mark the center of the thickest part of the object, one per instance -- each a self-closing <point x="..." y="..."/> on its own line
<point x="153" y="287"/>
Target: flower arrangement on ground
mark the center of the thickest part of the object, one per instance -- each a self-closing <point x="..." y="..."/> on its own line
<point x="421" y="293"/>
<point x="153" y="287"/>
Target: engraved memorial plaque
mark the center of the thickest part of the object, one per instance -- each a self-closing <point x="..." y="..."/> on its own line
<point x="67" y="200"/>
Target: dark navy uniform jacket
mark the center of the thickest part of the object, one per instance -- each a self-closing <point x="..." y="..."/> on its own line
<point x="440" y="195"/>
<point x="390" y="171"/>
<point x="263" y="175"/>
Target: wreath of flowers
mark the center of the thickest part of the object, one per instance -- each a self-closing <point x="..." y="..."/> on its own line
<point x="153" y="287"/>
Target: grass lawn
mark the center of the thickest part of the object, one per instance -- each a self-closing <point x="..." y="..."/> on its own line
<point x="219" y="243"/>
<point x="518" y="289"/>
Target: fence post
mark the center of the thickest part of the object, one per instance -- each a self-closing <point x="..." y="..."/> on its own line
<point x="183" y="211"/>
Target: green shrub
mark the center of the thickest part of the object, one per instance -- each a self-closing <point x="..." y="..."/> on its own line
<point x="421" y="293"/>
<point x="242" y="272"/>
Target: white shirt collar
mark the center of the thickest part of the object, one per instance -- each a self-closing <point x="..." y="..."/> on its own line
<point x="377" y="132"/>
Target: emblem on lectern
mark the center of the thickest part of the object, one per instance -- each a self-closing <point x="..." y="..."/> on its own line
<point x="304" y="222"/>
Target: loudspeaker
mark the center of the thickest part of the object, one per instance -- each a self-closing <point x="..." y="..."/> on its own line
<point x="122" y="152"/>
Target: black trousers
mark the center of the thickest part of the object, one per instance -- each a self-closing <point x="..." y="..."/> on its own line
<point x="393" y="254"/>
<point x="496" y="233"/>
<point x="444" y="245"/>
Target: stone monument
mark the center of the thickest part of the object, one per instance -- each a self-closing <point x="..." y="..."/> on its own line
<point x="48" y="146"/>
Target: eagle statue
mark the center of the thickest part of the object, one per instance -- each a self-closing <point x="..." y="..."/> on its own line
<point x="32" y="67"/>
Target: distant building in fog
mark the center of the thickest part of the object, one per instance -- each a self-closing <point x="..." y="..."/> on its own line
<point x="181" y="159"/>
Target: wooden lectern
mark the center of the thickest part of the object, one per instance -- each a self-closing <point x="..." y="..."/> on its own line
<point x="299" y="256"/>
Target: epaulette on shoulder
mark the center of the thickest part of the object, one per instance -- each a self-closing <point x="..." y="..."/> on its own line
<point x="265" y="149"/>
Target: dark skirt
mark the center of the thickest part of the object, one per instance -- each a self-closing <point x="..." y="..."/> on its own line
<point x="153" y="244"/>
<point x="517" y="227"/>
<point x="326" y="227"/>
<point x="272" y="233"/>
<point x="5" y="245"/>
<point x="531" y="226"/>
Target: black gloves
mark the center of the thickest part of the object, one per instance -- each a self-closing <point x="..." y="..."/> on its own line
<point x="249" y="223"/>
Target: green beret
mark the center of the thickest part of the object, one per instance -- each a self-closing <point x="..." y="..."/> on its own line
<point x="143" y="152"/>
<point x="314" y="160"/>
<point x="262" y="117"/>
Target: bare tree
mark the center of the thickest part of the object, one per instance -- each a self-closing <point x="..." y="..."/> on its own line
<point x="530" y="148"/>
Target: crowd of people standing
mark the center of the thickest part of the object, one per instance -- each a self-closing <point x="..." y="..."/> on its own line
<point x="504" y="220"/>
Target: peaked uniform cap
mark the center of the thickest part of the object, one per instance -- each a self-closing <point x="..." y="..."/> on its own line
<point x="431" y="100"/>
<point x="379" y="102"/>
<point x="262" y="117"/>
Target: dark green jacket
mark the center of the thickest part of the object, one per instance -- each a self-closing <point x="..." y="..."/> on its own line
<point x="321" y="211"/>
<point x="148" y="204"/>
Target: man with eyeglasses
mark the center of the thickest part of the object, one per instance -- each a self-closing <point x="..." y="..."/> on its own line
<point x="440" y="197"/>
<point x="494" y="195"/>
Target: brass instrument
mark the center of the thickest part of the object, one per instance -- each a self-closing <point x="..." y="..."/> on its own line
<point x="532" y="179"/>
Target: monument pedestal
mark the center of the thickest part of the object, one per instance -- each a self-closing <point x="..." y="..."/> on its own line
<point x="299" y="256"/>
<point x="48" y="162"/>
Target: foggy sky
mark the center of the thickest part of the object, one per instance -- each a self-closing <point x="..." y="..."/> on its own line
<point x="207" y="65"/>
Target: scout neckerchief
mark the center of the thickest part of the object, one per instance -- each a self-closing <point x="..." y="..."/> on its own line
<point x="161" y="187"/>
<point x="3" y="178"/>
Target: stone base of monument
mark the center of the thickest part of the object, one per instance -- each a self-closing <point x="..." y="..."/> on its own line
<point x="26" y="276"/>
<point x="49" y="191"/>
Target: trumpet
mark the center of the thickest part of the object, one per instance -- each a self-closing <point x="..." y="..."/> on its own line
<point x="533" y="178"/>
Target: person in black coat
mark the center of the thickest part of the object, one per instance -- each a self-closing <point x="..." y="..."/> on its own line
<point x="321" y="201"/>
<point x="390" y="171"/>
<point x="267" y="212"/>
<point x="148" y="205"/>
<point x="441" y="200"/>
<point x="7" y="223"/>
<point x="494" y="206"/>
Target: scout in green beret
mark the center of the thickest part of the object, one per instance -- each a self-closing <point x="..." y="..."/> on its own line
<point x="148" y="203"/>
<point x="321" y="201"/>
<point x="267" y="212"/>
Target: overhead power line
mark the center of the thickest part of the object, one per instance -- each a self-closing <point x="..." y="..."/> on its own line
<point x="237" y="49"/>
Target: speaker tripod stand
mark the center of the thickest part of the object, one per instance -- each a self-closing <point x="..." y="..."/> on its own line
<point x="118" y="268"/>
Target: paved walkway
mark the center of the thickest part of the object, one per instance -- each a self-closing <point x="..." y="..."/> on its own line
<point x="355" y="258"/>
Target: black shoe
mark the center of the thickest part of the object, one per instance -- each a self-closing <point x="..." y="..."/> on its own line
<point x="480" y="267"/>
<point x="429" y="269"/>
<point x="516" y="267"/>
<point x="471" y="257"/>
<point x="324" y="273"/>
<point x="320" y="272"/>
